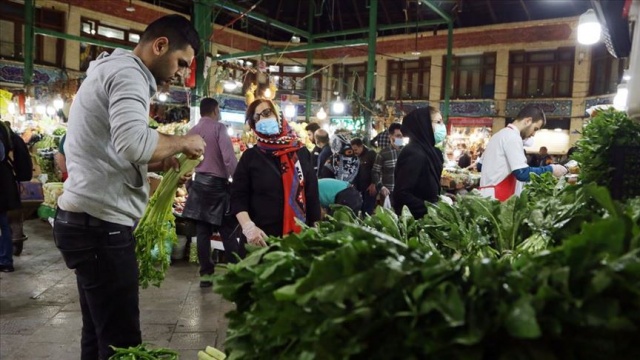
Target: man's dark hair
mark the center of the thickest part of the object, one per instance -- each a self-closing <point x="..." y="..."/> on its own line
<point x="207" y="105"/>
<point x="177" y="29"/>
<point x="321" y="136"/>
<point x="393" y="127"/>
<point x="312" y="126"/>
<point x="534" y="112"/>
<point x="357" y="142"/>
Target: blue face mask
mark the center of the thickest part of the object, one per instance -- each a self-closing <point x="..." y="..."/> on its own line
<point x="439" y="132"/>
<point x="398" y="142"/>
<point x="268" y="126"/>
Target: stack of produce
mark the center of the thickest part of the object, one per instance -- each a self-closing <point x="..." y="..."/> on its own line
<point x="548" y="275"/>
<point x="176" y="128"/>
<point x="52" y="191"/>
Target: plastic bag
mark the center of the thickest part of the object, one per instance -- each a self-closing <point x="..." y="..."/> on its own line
<point x="387" y="202"/>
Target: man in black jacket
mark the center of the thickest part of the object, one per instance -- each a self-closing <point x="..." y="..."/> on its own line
<point x="363" y="182"/>
<point x="311" y="129"/>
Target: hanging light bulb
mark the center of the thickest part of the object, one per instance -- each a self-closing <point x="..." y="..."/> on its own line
<point x="162" y="97"/>
<point x="230" y="131"/>
<point x="12" y="108"/>
<point x="290" y="111"/>
<point x="589" y="28"/>
<point x="267" y="93"/>
<point x="338" y="106"/>
<point x="51" y="110"/>
<point x="321" y="114"/>
<point x="58" y="103"/>
<point x="130" y="8"/>
<point x="620" y="100"/>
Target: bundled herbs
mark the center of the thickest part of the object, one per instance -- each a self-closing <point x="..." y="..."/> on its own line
<point x="141" y="352"/>
<point x="158" y="224"/>
<point x="608" y="135"/>
<point x="458" y="284"/>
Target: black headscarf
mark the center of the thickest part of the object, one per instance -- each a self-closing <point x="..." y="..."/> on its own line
<point x="417" y="126"/>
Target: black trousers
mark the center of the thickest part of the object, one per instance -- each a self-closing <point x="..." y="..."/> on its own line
<point x="103" y="257"/>
<point x="204" y="230"/>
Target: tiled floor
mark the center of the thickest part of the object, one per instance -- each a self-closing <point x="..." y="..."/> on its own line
<point x="40" y="315"/>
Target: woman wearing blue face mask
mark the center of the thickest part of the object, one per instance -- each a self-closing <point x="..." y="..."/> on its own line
<point x="274" y="183"/>
<point x="419" y="166"/>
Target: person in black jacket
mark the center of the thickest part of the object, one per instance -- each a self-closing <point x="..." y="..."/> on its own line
<point x="419" y="165"/>
<point x="364" y="182"/>
<point x="9" y="196"/>
<point x="274" y="183"/>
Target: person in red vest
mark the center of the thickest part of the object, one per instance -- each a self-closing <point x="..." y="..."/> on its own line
<point x="504" y="164"/>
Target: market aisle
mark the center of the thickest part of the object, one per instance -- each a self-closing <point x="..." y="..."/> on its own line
<point x="40" y="315"/>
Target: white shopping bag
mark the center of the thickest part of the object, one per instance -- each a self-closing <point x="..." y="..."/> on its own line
<point x="387" y="203"/>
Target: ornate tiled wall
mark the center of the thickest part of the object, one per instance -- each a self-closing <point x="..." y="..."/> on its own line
<point x="601" y="100"/>
<point x="12" y="72"/>
<point x="552" y="108"/>
<point x="470" y="108"/>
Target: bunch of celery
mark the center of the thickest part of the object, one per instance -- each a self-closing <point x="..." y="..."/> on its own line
<point x="152" y="230"/>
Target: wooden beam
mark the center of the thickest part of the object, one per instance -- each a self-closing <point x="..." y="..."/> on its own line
<point x="526" y="11"/>
<point x="491" y="12"/>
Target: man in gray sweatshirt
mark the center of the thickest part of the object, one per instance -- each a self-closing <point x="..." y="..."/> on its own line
<point x="109" y="148"/>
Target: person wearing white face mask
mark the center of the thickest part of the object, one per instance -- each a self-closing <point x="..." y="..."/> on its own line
<point x="385" y="164"/>
<point x="274" y="183"/>
<point x="504" y="164"/>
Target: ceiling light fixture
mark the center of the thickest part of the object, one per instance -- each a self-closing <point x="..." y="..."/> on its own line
<point x="130" y="8"/>
<point x="589" y="28"/>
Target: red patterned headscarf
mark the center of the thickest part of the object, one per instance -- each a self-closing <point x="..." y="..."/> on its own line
<point x="285" y="146"/>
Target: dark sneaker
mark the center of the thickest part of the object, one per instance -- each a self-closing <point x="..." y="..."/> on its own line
<point x="7" y="268"/>
<point x="206" y="281"/>
<point x="206" y="284"/>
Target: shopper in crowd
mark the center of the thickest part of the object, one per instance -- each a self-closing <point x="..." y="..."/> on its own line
<point x="274" y="184"/>
<point x="382" y="140"/>
<point x="322" y="142"/>
<point x="311" y="128"/>
<point x="464" y="161"/>
<point x="109" y="148"/>
<point x="60" y="159"/>
<point x="9" y="191"/>
<point x="419" y="166"/>
<point x="545" y="158"/>
<point x="338" y="192"/>
<point x="209" y="191"/>
<point x="343" y="163"/>
<point x="385" y="164"/>
<point x="364" y="182"/>
<point x="504" y="165"/>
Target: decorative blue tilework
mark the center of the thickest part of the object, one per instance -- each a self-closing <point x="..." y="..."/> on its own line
<point x="552" y="108"/>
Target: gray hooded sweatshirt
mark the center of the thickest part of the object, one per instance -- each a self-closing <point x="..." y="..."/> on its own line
<point x="108" y="140"/>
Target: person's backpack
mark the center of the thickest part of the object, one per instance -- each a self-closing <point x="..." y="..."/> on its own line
<point x="17" y="155"/>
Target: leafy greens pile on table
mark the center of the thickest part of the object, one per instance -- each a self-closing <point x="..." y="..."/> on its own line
<point x="551" y="277"/>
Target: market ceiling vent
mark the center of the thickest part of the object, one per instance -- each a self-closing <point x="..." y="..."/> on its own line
<point x="261" y="17"/>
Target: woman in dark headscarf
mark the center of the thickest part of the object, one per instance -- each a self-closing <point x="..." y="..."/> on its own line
<point x="274" y="185"/>
<point x="419" y="166"/>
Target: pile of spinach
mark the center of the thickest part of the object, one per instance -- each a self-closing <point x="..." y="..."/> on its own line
<point x="608" y="132"/>
<point x="465" y="282"/>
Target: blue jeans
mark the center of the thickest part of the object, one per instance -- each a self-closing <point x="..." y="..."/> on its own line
<point x="6" y="241"/>
<point x="103" y="257"/>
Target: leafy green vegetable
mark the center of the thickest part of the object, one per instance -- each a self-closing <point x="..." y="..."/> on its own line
<point x="552" y="278"/>
<point x="606" y="133"/>
<point x="152" y="230"/>
<point x="141" y="352"/>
